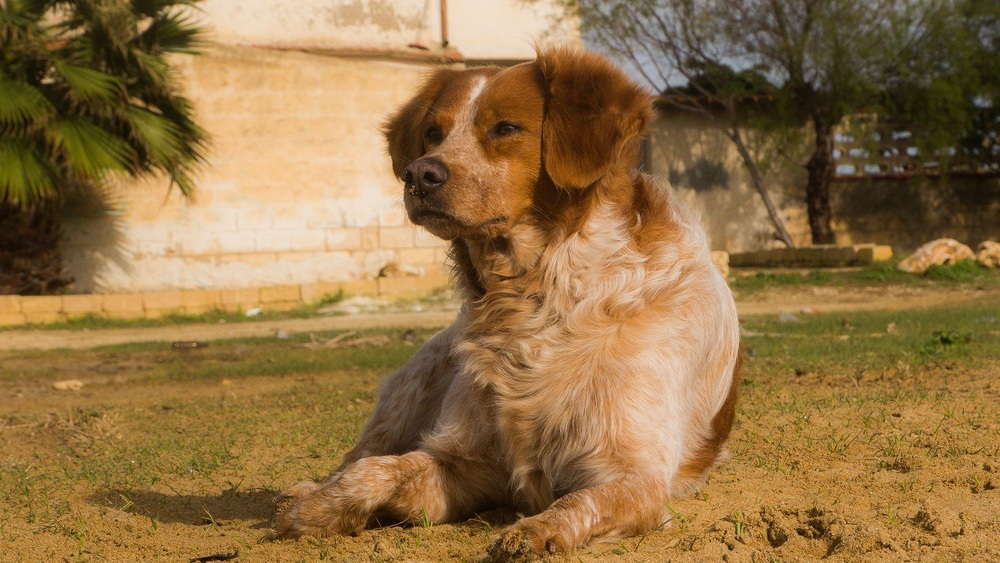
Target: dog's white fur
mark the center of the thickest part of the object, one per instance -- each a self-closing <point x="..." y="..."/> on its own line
<point x="591" y="374"/>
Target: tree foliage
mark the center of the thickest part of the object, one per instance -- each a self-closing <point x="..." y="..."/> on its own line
<point x="928" y="62"/>
<point x="86" y="90"/>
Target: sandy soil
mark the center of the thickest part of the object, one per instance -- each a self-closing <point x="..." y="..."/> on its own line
<point x="896" y="464"/>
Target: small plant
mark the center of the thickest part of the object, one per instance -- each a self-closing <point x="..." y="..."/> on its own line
<point x="738" y="522"/>
<point x="425" y="520"/>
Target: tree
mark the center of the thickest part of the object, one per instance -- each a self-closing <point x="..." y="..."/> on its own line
<point x="818" y="59"/>
<point x="86" y="91"/>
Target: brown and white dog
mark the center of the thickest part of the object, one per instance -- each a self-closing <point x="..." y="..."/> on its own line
<point x="591" y="375"/>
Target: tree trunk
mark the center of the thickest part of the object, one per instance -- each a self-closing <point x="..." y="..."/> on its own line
<point x="820" y="169"/>
<point x="30" y="261"/>
<point x="781" y="233"/>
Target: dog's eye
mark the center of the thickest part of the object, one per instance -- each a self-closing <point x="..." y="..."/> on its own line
<point x="504" y="129"/>
<point x="434" y="135"/>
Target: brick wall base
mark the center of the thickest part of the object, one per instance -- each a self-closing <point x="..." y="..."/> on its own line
<point x="20" y="310"/>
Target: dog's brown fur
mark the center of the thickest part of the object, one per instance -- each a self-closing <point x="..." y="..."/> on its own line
<point x="592" y="372"/>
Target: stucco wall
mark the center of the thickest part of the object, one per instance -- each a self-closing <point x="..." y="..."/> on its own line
<point x="479" y="29"/>
<point x="706" y="171"/>
<point x="297" y="187"/>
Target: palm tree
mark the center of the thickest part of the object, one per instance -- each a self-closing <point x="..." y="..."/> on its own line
<point x="86" y="91"/>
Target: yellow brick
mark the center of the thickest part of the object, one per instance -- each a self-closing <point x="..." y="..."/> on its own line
<point x="396" y="237"/>
<point x="43" y="317"/>
<point x="240" y="296"/>
<point x="200" y="300"/>
<point x="281" y="305"/>
<point x="118" y="305"/>
<point x="421" y="256"/>
<point x="41" y="304"/>
<point x="279" y="293"/>
<point x="410" y="285"/>
<point x="870" y="253"/>
<point x="81" y="304"/>
<point x="125" y="314"/>
<point x="343" y="239"/>
<point x="369" y="238"/>
<point x="312" y="292"/>
<point x="360" y="287"/>
<point x="162" y="301"/>
<point x="11" y="319"/>
<point x="10" y="304"/>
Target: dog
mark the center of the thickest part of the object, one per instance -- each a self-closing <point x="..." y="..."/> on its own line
<point x="591" y="374"/>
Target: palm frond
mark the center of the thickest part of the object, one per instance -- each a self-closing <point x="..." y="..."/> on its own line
<point x="22" y="103"/>
<point x="175" y="32"/>
<point x="26" y="177"/>
<point x="88" y="85"/>
<point x="88" y="150"/>
<point x="157" y="135"/>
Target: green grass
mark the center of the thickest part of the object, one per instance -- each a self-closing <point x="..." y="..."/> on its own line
<point x="876" y="339"/>
<point x="966" y="273"/>
<point x="248" y="417"/>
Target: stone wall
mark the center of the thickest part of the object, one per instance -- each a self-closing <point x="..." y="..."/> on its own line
<point x="705" y="169"/>
<point x="297" y="187"/>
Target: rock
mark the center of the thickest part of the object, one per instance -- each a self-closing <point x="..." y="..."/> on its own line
<point x="68" y="385"/>
<point x="721" y="260"/>
<point x="936" y="253"/>
<point x="988" y="254"/>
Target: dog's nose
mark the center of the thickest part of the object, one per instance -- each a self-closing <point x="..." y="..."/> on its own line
<point x="423" y="177"/>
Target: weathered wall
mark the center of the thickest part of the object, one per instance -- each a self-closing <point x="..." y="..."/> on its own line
<point x="297" y="187"/>
<point x="501" y="29"/>
<point x="706" y="171"/>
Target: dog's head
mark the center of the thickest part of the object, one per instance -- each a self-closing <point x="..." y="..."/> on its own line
<point x="479" y="149"/>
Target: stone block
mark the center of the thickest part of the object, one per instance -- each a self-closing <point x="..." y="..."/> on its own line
<point x="10" y="304"/>
<point x="241" y="298"/>
<point x="12" y="319"/>
<point x="43" y="317"/>
<point x="871" y="253"/>
<point x="422" y="256"/>
<point x="360" y="287"/>
<point x="118" y="304"/>
<point x="200" y="300"/>
<point x="164" y="301"/>
<point x="410" y="285"/>
<point x="313" y="292"/>
<point x="276" y="306"/>
<point x="41" y="304"/>
<point x="343" y="239"/>
<point x="369" y="238"/>
<point x="280" y="293"/>
<point x="77" y="305"/>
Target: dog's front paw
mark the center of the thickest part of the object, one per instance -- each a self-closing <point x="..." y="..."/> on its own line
<point x="315" y="509"/>
<point x="527" y="540"/>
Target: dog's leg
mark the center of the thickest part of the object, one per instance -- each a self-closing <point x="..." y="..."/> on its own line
<point x="629" y="506"/>
<point x="415" y="488"/>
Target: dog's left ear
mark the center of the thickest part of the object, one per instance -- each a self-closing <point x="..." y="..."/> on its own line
<point x="594" y="117"/>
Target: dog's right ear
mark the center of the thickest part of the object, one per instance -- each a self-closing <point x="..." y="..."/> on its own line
<point x="403" y="131"/>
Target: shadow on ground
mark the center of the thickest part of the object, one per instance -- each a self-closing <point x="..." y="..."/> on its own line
<point x="193" y="509"/>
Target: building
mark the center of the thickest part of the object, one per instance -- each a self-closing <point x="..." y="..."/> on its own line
<point x="297" y="188"/>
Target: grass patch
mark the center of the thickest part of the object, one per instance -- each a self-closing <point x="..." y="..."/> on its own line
<point x="178" y="453"/>
<point x="965" y="273"/>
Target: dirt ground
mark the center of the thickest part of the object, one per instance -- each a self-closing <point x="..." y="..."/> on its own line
<point x="832" y="457"/>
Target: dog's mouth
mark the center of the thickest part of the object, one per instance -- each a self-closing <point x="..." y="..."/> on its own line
<point x="435" y="219"/>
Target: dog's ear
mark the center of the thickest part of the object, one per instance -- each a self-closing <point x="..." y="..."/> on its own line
<point x="594" y="117"/>
<point x="403" y="130"/>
